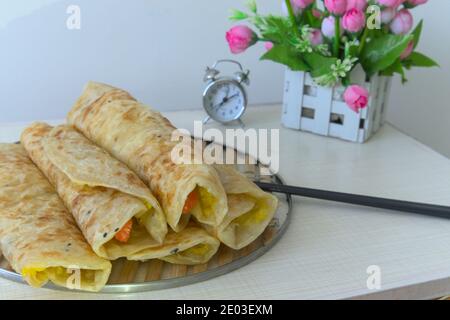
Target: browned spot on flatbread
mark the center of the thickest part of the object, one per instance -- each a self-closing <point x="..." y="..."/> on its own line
<point x="58" y="134"/>
<point x="39" y="131"/>
<point x="170" y="196"/>
<point x="86" y="112"/>
<point x="43" y="221"/>
<point x="130" y="115"/>
<point x="132" y="178"/>
<point x="77" y="200"/>
<point x="178" y="173"/>
<point x="91" y="221"/>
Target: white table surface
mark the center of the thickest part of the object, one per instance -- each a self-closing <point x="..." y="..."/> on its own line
<point x="328" y="247"/>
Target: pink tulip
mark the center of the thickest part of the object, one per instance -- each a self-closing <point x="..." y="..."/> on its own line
<point x="387" y="15"/>
<point x="336" y="7"/>
<point x="297" y="6"/>
<point x="361" y="5"/>
<point x="316" y="37"/>
<point x="416" y="2"/>
<point x="268" y="45"/>
<point x="240" y="38"/>
<point x="390" y="3"/>
<point x="356" y="97"/>
<point x="328" y="26"/>
<point x="402" y="22"/>
<point x="354" y="20"/>
<point x="302" y="4"/>
<point x="317" y="13"/>
<point x="409" y="49"/>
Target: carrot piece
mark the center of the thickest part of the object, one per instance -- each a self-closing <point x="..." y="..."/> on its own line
<point x="124" y="234"/>
<point x="191" y="202"/>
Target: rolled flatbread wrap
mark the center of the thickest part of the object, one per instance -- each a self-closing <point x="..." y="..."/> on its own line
<point x="38" y="236"/>
<point x="250" y="209"/>
<point x="191" y="246"/>
<point x="142" y="138"/>
<point x="114" y="209"/>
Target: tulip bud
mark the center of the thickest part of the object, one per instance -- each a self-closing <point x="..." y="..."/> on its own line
<point x="390" y="3"/>
<point x="240" y="38"/>
<point x="336" y="7"/>
<point x="402" y="22"/>
<point x="328" y="26"/>
<point x="387" y="15"/>
<point x="297" y="6"/>
<point x="354" y="20"/>
<point x="361" y="5"/>
<point x="409" y="49"/>
<point x="356" y="97"/>
<point x="316" y="37"/>
<point x="268" y="45"/>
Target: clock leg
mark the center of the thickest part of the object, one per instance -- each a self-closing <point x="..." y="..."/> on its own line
<point x="241" y="123"/>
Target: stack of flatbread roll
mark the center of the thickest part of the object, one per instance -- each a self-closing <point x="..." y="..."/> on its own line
<point x="104" y="187"/>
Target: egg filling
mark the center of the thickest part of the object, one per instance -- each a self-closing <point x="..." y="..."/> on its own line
<point x="244" y="225"/>
<point x="206" y="205"/>
<point x="197" y="252"/>
<point x="255" y="216"/>
<point x="73" y="278"/>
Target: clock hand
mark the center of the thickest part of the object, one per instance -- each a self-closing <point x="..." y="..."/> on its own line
<point x="224" y="101"/>
<point x="220" y="105"/>
<point x="233" y="96"/>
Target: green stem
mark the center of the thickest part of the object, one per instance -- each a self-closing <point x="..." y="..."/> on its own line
<point x="293" y="18"/>
<point x="363" y="41"/>
<point x="346" y="80"/>
<point x="310" y="17"/>
<point x="337" y="36"/>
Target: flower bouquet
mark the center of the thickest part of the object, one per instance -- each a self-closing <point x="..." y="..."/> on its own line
<point x="346" y="46"/>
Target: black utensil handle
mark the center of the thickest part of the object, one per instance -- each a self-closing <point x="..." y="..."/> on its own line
<point x="374" y="202"/>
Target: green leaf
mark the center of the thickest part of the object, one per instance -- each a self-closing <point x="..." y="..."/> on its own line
<point x="319" y="64"/>
<point x="276" y="29"/>
<point x="286" y="55"/>
<point x="417" y="59"/>
<point x="251" y="4"/>
<point x="396" y="67"/>
<point x="351" y="50"/>
<point x="310" y="19"/>
<point x="277" y="24"/>
<point x="380" y="53"/>
<point x="237" y="15"/>
<point x="416" y="33"/>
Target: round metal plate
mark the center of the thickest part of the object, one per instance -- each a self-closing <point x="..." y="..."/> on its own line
<point x="133" y="276"/>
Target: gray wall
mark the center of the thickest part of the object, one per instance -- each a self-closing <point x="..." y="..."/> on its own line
<point x="158" y="50"/>
<point x="421" y="108"/>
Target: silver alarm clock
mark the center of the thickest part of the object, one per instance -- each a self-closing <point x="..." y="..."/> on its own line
<point x="225" y="98"/>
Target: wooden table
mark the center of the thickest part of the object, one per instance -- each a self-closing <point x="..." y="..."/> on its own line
<point x="328" y="247"/>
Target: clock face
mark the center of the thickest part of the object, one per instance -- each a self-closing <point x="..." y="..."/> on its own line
<point x="225" y="100"/>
